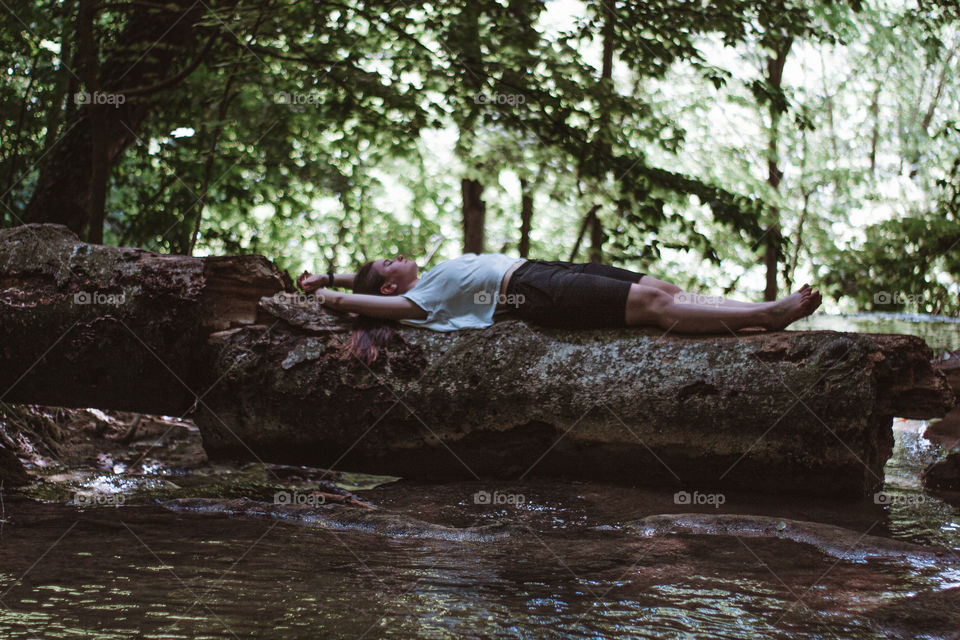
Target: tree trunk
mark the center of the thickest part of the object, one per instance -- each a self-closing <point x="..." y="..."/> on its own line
<point x="526" y="218"/>
<point x="474" y="216"/>
<point x="60" y="104"/>
<point x="597" y="236"/>
<point x="806" y="412"/>
<point x="773" y="237"/>
<point x="771" y="251"/>
<point x="11" y="158"/>
<point x="88" y="52"/>
<point x="875" y="130"/>
<point x="604" y="135"/>
<point x="586" y="223"/>
<point x="465" y="33"/>
<point x="69" y="182"/>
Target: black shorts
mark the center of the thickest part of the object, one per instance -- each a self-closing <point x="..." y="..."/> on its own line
<point x="555" y="293"/>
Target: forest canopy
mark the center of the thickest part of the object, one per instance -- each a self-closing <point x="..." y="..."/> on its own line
<point x="727" y="145"/>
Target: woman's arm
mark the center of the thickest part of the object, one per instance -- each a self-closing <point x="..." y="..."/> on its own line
<point x="309" y="282"/>
<point x="386" y="307"/>
<point x="344" y="280"/>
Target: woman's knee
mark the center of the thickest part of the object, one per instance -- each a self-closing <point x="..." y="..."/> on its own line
<point x="663" y="285"/>
<point x="646" y="305"/>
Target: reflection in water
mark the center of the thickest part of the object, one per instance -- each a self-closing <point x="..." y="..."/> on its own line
<point x="170" y="577"/>
<point x="108" y="573"/>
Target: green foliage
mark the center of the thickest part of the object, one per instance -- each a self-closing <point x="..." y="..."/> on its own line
<point x="332" y="132"/>
<point x="907" y="264"/>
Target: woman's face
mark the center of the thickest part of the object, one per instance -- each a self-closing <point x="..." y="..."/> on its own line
<point x="398" y="271"/>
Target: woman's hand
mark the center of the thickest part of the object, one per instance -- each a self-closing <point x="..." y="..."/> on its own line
<point x="310" y="283"/>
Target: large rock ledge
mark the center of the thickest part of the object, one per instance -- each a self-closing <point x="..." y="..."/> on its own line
<point x="785" y="411"/>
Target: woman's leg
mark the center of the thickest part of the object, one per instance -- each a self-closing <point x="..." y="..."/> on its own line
<point x="697" y="298"/>
<point x="652" y="306"/>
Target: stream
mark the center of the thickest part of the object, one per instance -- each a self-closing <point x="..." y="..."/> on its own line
<point x="107" y="564"/>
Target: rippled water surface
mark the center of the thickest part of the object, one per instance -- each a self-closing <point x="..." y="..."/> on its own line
<point x="114" y="573"/>
<point x="570" y="572"/>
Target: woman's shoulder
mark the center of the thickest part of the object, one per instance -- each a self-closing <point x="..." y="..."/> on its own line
<point x="473" y="257"/>
<point x="466" y="263"/>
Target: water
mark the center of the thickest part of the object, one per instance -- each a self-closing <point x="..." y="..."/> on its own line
<point x="570" y="572"/>
<point x="115" y="573"/>
<point x="941" y="333"/>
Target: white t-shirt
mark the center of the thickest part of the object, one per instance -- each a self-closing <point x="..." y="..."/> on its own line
<point x="461" y="293"/>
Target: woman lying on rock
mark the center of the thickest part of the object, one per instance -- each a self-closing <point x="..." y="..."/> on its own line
<point x="474" y="290"/>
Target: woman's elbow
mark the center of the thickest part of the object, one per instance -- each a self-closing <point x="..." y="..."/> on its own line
<point x="334" y="300"/>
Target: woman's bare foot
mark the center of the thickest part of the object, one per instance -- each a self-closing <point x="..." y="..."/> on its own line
<point x="793" y="307"/>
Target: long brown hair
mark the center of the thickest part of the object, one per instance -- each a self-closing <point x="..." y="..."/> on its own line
<point x="369" y="336"/>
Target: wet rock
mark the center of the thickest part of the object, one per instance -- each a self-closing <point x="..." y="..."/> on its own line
<point x="341" y="518"/>
<point x="12" y="472"/>
<point x="943" y="475"/>
<point x="924" y="615"/>
<point x="121" y="325"/>
<point x="946" y="432"/>
<point x="832" y="540"/>
<point x="26" y="434"/>
<point x="802" y="412"/>
<point x="949" y="364"/>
